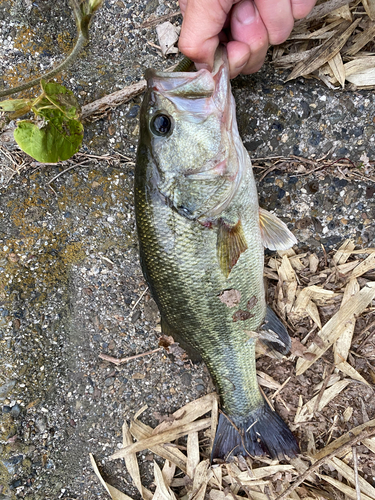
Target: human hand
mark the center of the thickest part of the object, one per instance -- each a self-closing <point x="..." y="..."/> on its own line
<point x="248" y="27"/>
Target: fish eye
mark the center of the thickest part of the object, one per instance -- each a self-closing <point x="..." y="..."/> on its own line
<point x="161" y="124"/>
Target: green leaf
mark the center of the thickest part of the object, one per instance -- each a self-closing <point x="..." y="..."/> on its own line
<point x="14" y="104"/>
<point x="61" y="97"/>
<point x="95" y="4"/>
<point x="18" y="106"/>
<point x="55" y="139"/>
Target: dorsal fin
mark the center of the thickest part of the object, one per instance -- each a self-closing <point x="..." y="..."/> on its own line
<point x="231" y="242"/>
<point x="275" y="233"/>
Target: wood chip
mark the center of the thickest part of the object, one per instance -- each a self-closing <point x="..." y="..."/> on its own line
<point x="220" y="495"/>
<point x="351" y="372"/>
<point x="295" y="57"/>
<point x="313" y="312"/>
<point x="347" y="267"/>
<point x="163" y="437"/>
<point x="345" y="438"/>
<point x="214" y="419"/>
<point x="370" y="443"/>
<point x="343" y="343"/>
<point x="267" y="381"/>
<point x="114" y="493"/>
<point x="311" y="450"/>
<point x="168" y="472"/>
<point x="365" y="266"/>
<point x="264" y="472"/>
<point x="369" y="6"/>
<point x="323" y="9"/>
<point x="343" y="12"/>
<point x="337" y="67"/>
<point x="163" y="491"/>
<point x="360" y="72"/>
<point x="326" y="51"/>
<point x="313" y="263"/>
<point x="142" y="431"/>
<point x="332" y="330"/>
<point x="304" y="306"/>
<point x="348" y="413"/>
<point x="188" y="413"/>
<point x="201" y="479"/>
<point x="193" y="457"/>
<point x="348" y="473"/>
<point x="131" y="463"/>
<point x="360" y="40"/>
<point x="287" y="285"/>
<point x="344" y="252"/>
<point x="307" y="410"/>
<point x="297" y="263"/>
<point x="344" y="488"/>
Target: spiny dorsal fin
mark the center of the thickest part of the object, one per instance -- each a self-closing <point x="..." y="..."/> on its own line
<point x="231" y="242"/>
<point x="275" y="234"/>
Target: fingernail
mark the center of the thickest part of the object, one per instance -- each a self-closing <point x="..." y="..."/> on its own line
<point x="245" y="12"/>
<point x="241" y="62"/>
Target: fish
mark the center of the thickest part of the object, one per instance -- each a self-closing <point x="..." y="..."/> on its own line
<point x="201" y="242"/>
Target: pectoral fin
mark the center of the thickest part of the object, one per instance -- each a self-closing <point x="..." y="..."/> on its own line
<point x="275" y="234"/>
<point x="231" y="242"/>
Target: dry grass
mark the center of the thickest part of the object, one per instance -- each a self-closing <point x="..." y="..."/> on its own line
<point x="334" y="44"/>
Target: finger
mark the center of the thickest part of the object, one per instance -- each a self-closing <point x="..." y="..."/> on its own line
<point x="248" y="31"/>
<point x="202" y="23"/>
<point x="242" y="60"/>
<point x="182" y="4"/>
<point x="277" y="18"/>
<point x="301" y="8"/>
<point x="238" y="57"/>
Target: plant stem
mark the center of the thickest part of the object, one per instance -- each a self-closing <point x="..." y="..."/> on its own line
<point x="47" y="76"/>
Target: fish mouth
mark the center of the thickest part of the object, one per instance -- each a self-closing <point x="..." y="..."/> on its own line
<point x="190" y="85"/>
<point x="198" y="85"/>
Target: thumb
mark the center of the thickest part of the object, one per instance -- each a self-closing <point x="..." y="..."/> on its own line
<point x="202" y="23"/>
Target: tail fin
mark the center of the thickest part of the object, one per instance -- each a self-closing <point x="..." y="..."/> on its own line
<point x="274" y="334"/>
<point x="263" y="432"/>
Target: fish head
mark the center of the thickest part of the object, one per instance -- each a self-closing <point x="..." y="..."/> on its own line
<point x="187" y="122"/>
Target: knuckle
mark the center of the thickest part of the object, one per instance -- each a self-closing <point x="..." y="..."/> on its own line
<point x="280" y="33"/>
<point x="301" y="8"/>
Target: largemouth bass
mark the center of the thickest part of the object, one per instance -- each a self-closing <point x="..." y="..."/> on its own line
<point x="202" y="237"/>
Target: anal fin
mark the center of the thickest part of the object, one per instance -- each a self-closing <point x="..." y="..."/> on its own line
<point x="273" y="333"/>
<point x="231" y="242"/>
<point x="275" y="233"/>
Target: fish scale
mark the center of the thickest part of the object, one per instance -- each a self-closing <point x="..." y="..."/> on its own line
<point x="191" y="254"/>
